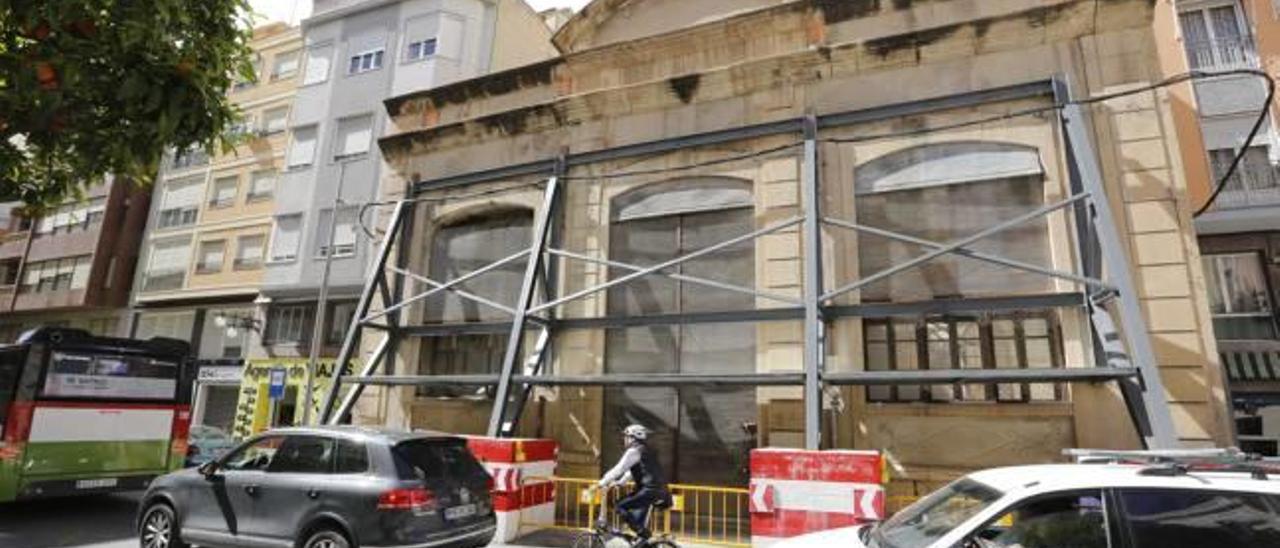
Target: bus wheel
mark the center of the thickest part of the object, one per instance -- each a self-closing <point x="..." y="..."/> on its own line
<point x="159" y="528"/>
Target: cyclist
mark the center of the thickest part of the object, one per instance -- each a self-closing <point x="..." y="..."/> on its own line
<point x="639" y="463"/>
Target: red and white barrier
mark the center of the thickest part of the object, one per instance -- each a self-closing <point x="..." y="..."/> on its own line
<point x="794" y="492"/>
<point x="522" y="488"/>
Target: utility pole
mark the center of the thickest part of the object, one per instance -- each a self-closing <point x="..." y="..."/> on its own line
<point x="322" y="301"/>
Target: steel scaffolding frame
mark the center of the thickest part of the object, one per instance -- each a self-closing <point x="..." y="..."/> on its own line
<point x="1128" y="358"/>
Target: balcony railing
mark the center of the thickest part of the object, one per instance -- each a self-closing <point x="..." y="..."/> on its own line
<point x="1253" y="184"/>
<point x="163" y="280"/>
<point x="1224" y="53"/>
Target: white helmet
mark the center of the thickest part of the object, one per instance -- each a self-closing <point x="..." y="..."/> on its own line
<point x="636" y="431"/>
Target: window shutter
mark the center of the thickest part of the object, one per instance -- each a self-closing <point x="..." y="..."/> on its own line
<point x="345" y="232"/>
<point x="303" y="151"/>
<point x="450" y="37"/>
<point x="354" y="135"/>
<point x="318" y="60"/>
<point x="170" y="256"/>
<point x="284" y="244"/>
<point x="182" y="194"/>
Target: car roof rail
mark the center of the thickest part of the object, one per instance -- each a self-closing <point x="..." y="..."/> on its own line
<point x="1177" y="462"/>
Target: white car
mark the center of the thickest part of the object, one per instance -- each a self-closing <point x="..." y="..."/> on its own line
<point x="1082" y="506"/>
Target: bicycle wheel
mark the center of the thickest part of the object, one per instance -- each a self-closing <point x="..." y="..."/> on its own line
<point x="663" y="543"/>
<point x="589" y="539"/>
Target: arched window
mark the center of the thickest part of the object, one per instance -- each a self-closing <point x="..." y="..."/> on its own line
<point x="460" y="248"/>
<point x="944" y="192"/>
<point x="656" y="223"/>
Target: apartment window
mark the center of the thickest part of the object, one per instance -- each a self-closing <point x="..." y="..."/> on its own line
<point x="242" y="126"/>
<point x="189" y="158"/>
<point x="71" y="217"/>
<point x="303" y="150"/>
<point x="57" y="274"/>
<point x="1239" y="297"/>
<point x="225" y="190"/>
<point x="1216" y="37"/>
<point x="1255" y="182"/>
<point x="9" y="272"/>
<point x="249" y="250"/>
<point x="167" y="265"/>
<point x="340" y="315"/>
<point x="354" y="136"/>
<point x="421" y="49"/>
<point x="366" y="61"/>
<point x="287" y="237"/>
<point x="275" y="120"/>
<point x="180" y="203"/>
<point x="262" y="185"/>
<point x="944" y="192"/>
<point x="289" y="323"/>
<point x="344" y="234"/>
<point x="317" y="67"/>
<point x="286" y="65"/>
<point x="242" y="82"/>
<point x="995" y="341"/>
<point x="212" y="254"/>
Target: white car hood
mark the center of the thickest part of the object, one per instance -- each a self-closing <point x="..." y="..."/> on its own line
<point x="845" y="537"/>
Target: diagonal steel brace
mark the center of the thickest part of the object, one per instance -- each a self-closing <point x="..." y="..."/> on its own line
<point x="953" y="246"/>
<point x="1092" y="283"/>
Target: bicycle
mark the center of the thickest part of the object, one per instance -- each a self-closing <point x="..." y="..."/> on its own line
<point x="601" y="532"/>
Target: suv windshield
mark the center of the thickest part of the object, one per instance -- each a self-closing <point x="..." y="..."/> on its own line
<point x="936" y="515"/>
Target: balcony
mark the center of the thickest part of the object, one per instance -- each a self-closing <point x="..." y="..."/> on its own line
<point x="1255" y="183"/>
<point x="1222" y="54"/>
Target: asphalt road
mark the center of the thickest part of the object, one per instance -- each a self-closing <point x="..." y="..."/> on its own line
<point x="85" y="522"/>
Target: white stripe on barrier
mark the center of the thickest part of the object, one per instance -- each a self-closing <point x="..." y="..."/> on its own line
<point x="821" y="496"/>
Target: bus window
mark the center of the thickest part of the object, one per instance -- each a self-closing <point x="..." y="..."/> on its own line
<point x="77" y="375"/>
<point x="10" y="367"/>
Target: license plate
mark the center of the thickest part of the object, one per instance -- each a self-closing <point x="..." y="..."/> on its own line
<point x="96" y="483"/>
<point x="463" y="511"/>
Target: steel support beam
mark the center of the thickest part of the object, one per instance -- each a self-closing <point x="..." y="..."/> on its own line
<point x="515" y="338"/>
<point x="1042" y="88"/>
<point x="543" y="348"/>
<point x="813" y="322"/>
<point x="861" y="378"/>
<point x="380" y="354"/>
<point x="376" y="273"/>
<point x="979" y="376"/>
<point x="1080" y="147"/>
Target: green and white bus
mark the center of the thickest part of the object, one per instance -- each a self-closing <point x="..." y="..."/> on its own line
<point x="82" y="414"/>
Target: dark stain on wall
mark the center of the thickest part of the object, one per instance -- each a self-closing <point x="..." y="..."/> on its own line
<point x="835" y="11"/>
<point x="883" y="47"/>
<point x="685" y="87"/>
<point x="498" y="83"/>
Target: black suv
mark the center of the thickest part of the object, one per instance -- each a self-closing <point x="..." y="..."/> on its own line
<point x="325" y="487"/>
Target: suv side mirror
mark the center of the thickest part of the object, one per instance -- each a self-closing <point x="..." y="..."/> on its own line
<point x="208" y="469"/>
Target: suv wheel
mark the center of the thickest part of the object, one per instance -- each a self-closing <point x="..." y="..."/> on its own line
<point x="327" y="538"/>
<point x="159" y="528"/>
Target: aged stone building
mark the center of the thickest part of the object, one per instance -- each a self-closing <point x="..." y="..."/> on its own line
<point x="679" y="126"/>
